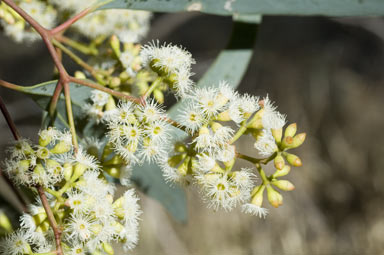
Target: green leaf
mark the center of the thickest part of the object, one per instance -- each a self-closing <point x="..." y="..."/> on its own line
<point x="269" y="7"/>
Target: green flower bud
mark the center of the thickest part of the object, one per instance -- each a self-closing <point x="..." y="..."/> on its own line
<point x="159" y="96"/>
<point x="256" y="121"/>
<point x="298" y="140"/>
<point x="111" y="104"/>
<point x="5" y="223"/>
<point x="108" y="249"/>
<point x="283" y="172"/>
<point x="80" y="75"/>
<point x="78" y="171"/>
<point x="114" y="82"/>
<point x="277" y="134"/>
<point x="257" y="198"/>
<point x="180" y="147"/>
<point x="287" y="142"/>
<point x="284" y="185"/>
<point x="216" y="126"/>
<point x="61" y="147"/>
<point x="124" y="76"/>
<point x="112" y="171"/>
<point x="290" y="130"/>
<point x="274" y="197"/>
<point x="279" y="162"/>
<point x="223" y="116"/>
<point x="183" y="168"/>
<point x="176" y="160"/>
<point x="160" y="71"/>
<point x="293" y="159"/>
<point x="115" y="45"/>
<point x="68" y="171"/>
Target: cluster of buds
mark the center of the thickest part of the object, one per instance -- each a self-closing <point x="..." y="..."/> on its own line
<point x="81" y="200"/>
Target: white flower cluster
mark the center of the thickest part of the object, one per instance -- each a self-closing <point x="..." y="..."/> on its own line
<point x="100" y="105"/>
<point x="41" y="164"/>
<point x="17" y="28"/>
<point x="171" y="62"/>
<point x="130" y="26"/>
<point x="139" y="133"/>
<point x="83" y="205"/>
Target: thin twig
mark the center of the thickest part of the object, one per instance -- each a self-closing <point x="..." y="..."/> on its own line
<point x="51" y="219"/>
<point x="69" y="22"/>
<point x="71" y="122"/>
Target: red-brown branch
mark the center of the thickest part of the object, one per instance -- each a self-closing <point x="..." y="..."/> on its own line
<point x="69" y="22"/>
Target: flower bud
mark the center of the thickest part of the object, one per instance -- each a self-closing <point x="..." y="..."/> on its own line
<point x="112" y="171"/>
<point x="279" y="162"/>
<point x="78" y="170"/>
<point x="256" y="121"/>
<point x="180" y="147"/>
<point x="114" y="82"/>
<point x="291" y="130"/>
<point x="80" y="75"/>
<point x="287" y="142"/>
<point x="293" y="159"/>
<point x="42" y="153"/>
<point x="277" y="134"/>
<point x="115" y="45"/>
<point x="61" y="147"/>
<point x="284" y="185"/>
<point x="279" y="173"/>
<point x="183" y="168"/>
<point x="223" y="116"/>
<point x="298" y="140"/>
<point x="124" y="76"/>
<point x="176" y="160"/>
<point x="216" y="126"/>
<point x="68" y="171"/>
<point x="160" y="71"/>
<point x="110" y="105"/>
<point x="257" y="198"/>
<point x="159" y="96"/>
<point x="108" y="249"/>
<point x="5" y="222"/>
<point x="274" y="197"/>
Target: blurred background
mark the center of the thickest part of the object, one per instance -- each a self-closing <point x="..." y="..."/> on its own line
<point x="326" y="75"/>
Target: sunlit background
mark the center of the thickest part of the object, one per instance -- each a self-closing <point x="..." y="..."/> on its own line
<point x="327" y="76"/>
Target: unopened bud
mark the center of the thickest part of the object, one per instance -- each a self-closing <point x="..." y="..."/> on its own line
<point x="224" y="116"/>
<point x="159" y="96"/>
<point x="176" y="160"/>
<point x="5" y="223"/>
<point x="180" y="147"/>
<point x="257" y="198"/>
<point x="114" y="82"/>
<point x="61" y="147"/>
<point x="277" y="134"/>
<point x="279" y="173"/>
<point x="287" y="142"/>
<point x="68" y="171"/>
<point x="108" y="248"/>
<point x="298" y="140"/>
<point x="293" y="159"/>
<point x="256" y="121"/>
<point x="279" y="162"/>
<point x="274" y="197"/>
<point x="111" y="104"/>
<point x="115" y="45"/>
<point x="216" y="126"/>
<point x="290" y="130"/>
<point x="124" y="76"/>
<point x="80" y="75"/>
<point x="284" y="185"/>
<point x="112" y="171"/>
<point x="183" y="168"/>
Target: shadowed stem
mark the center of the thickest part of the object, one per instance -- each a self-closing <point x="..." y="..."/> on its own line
<point x="16" y="135"/>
